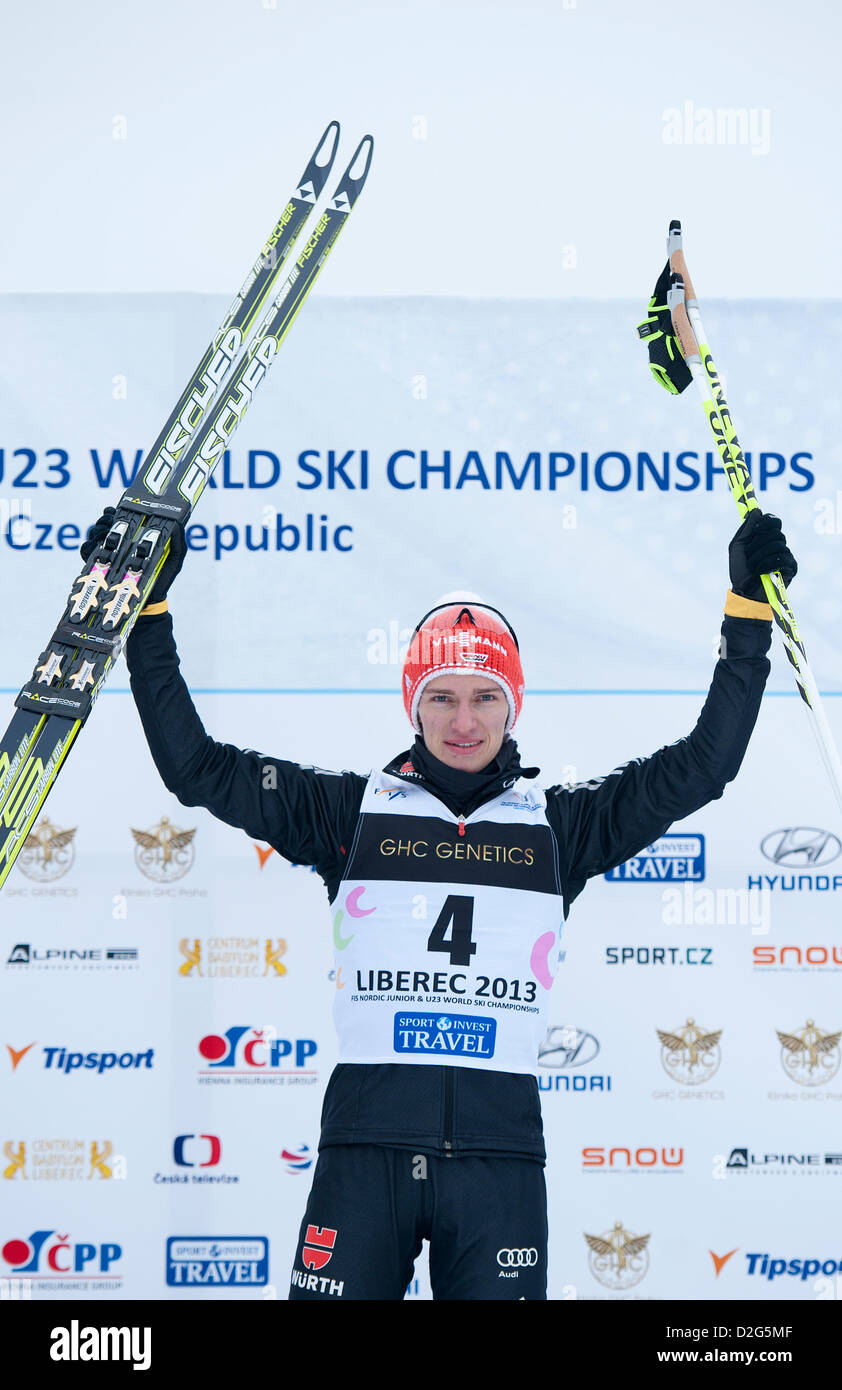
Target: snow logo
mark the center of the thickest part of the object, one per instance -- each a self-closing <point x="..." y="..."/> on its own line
<point x="164" y="853"/>
<point x="618" y="1259"/>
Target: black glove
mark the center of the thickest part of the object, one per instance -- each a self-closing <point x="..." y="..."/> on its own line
<point x="666" y="361"/>
<point x="175" y="559"/>
<point x="759" y="547"/>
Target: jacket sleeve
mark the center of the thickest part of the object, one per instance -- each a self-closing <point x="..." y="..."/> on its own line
<point x="307" y="814"/>
<point x="601" y="823"/>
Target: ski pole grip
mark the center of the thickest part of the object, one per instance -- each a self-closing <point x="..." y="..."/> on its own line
<point x="678" y="308"/>
<point x="680" y="319"/>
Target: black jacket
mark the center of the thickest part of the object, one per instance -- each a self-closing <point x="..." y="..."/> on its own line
<point x="310" y="815"/>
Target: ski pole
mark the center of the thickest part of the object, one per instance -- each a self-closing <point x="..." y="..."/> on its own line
<point x="689" y="329"/>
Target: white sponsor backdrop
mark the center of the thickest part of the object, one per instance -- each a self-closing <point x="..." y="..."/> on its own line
<point x="615" y="591"/>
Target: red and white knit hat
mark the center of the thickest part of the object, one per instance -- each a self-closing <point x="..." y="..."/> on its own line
<point x="463" y="638"/>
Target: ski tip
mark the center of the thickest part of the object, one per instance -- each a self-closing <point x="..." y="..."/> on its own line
<point x="330" y="139"/>
<point x="361" y="161"/>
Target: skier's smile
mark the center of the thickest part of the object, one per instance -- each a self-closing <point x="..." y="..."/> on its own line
<point x="463" y="720"/>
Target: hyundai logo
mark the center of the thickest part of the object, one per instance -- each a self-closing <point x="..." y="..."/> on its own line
<point x="801" y="846"/>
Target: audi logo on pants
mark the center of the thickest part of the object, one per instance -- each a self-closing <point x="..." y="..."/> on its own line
<point x="509" y="1259"/>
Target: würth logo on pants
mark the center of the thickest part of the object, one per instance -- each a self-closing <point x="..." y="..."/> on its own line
<point x="317" y="1251"/>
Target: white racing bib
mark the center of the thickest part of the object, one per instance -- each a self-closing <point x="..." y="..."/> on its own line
<point x="446" y="933"/>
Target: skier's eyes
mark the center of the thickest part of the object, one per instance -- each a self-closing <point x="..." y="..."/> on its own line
<point x="482" y="698"/>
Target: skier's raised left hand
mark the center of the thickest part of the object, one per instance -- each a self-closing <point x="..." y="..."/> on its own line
<point x="175" y="559"/>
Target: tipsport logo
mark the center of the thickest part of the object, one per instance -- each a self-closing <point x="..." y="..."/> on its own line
<point x="59" y="1059"/>
<point x="672" y="859"/>
<point x="53" y="1259"/>
<point x="256" y="1056"/>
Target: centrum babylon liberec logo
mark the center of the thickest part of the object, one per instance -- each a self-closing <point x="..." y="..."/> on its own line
<point x="690" y="1054"/>
<point x="811" y="1056"/>
<point x="47" y="853"/>
<point x="58" y="1160"/>
<point x="164" y="852"/>
<point x="618" y="1258"/>
<point x="233" y="957"/>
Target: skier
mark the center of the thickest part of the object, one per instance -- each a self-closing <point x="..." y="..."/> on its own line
<point x="451" y="874"/>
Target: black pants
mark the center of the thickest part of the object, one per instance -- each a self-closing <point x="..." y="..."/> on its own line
<point x="370" y="1207"/>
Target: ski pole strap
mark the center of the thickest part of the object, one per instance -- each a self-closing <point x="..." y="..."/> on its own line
<point x="735" y="607"/>
<point x="152" y="608"/>
<point x="666" y="361"/>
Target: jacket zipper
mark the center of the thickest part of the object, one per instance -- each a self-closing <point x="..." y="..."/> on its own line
<point x="449" y="1082"/>
<point x="450" y="1077"/>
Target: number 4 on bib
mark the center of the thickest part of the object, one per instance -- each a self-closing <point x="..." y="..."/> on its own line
<point x="460" y="911"/>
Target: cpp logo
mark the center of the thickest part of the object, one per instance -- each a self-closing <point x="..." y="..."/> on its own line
<point x="262" y="1049"/>
<point x="183" y="1162"/>
<point x="61" y="1256"/>
<point x="517" y="1259"/>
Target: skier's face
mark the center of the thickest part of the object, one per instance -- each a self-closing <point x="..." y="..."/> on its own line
<point x="463" y="720"/>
